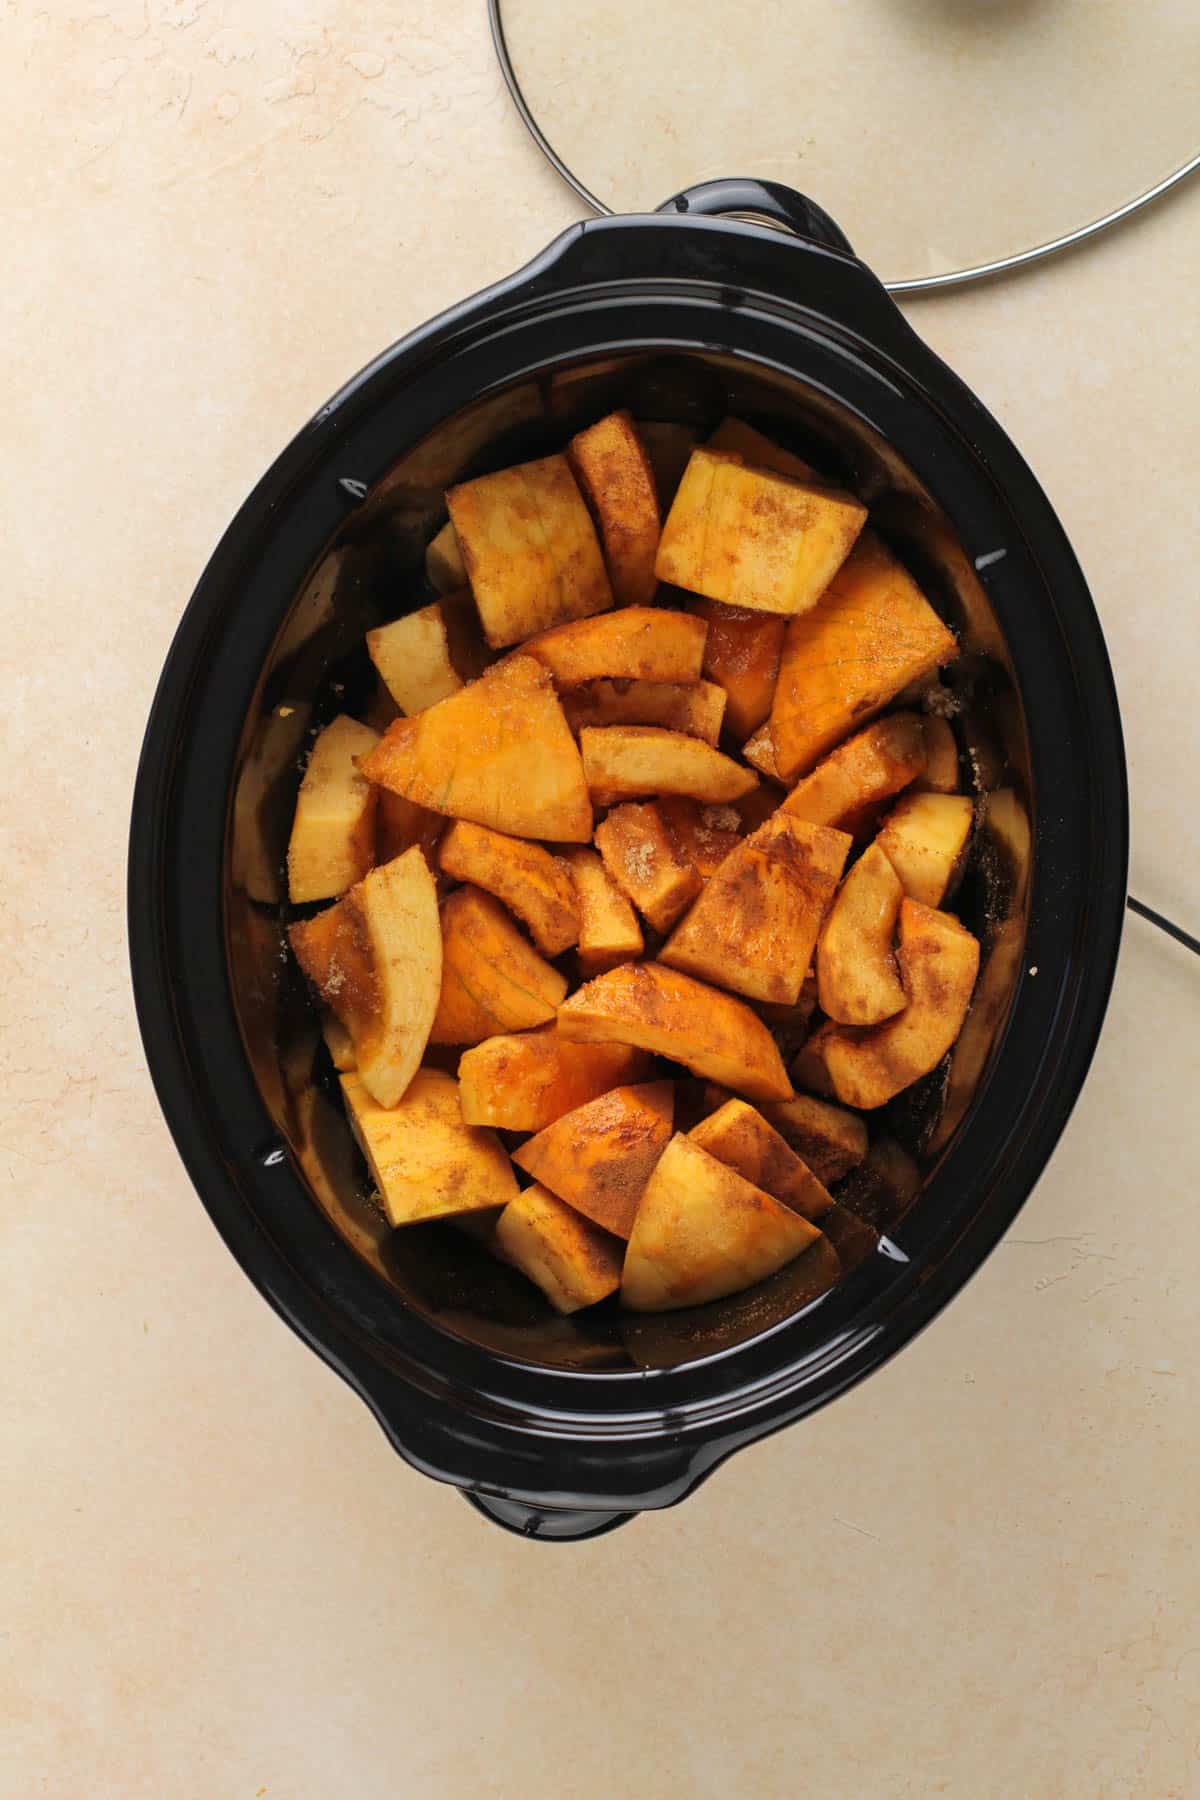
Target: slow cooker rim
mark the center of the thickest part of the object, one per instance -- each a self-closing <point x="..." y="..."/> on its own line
<point x="148" y="840"/>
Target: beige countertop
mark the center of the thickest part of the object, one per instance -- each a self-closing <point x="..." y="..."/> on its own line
<point x="974" y="1576"/>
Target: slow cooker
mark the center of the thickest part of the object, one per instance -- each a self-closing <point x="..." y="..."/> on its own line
<point x="736" y="297"/>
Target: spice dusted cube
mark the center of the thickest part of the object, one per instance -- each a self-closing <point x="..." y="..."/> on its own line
<point x="625" y="762"/>
<point x="524" y="1080"/>
<point x="696" y="708"/>
<point x="499" y="752"/>
<point x="754" y="927"/>
<point x="703" y="1231"/>
<point x="599" y="1157"/>
<point x="428" y="654"/>
<point x="333" y="830"/>
<point x="616" y="477"/>
<point x="753" y="538"/>
<point x="857" y="979"/>
<point x="609" y="933"/>
<point x="425" y="1162"/>
<point x="636" y="643"/>
<point x="870" y="634"/>
<point x="830" y="1140"/>
<point x="738" y="1135"/>
<point x="705" y="834"/>
<point x="646" y="863"/>
<point x="493" y="980"/>
<point x="531" y="882"/>
<point x="573" y="1262"/>
<point x="529" y="548"/>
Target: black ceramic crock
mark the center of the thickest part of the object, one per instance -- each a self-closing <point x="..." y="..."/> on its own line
<point x="558" y="1428"/>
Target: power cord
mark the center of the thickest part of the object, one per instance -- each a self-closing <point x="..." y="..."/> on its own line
<point x="1156" y="918"/>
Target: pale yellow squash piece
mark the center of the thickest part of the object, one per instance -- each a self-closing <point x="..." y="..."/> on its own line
<point x="492" y="979"/>
<point x="738" y="1135"/>
<point x="523" y="1081"/>
<point x="425" y="1162"/>
<point x="573" y="1262"/>
<point x="376" y="959"/>
<point x="333" y="829"/>
<point x="869" y="635"/>
<point x="609" y="933"/>
<point x="429" y="654"/>
<point x="753" y="538"/>
<point x="659" y="1009"/>
<point x="532" y="883"/>
<point x="754" y="927"/>
<point x="857" y="979"/>
<point x="925" y="839"/>
<point x="696" y="708"/>
<point x="702" y="1231"/>
<point x="736" y="438"/>
<point x="499" y="752"/>
<point x="625" y="762"/>
<point x="614" y="472"/>
<point x="636" y="643"/>
<point x="645" y="860"/>
<point x="939" y="960"/>
<point x="599" y="1157"/>
<point x="529" y="548"/>
<point x="941" y="773"/>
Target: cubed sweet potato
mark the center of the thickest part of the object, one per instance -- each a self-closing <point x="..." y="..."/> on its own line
<point x="599" y="1157"/>
<point x="573" y="1262"/>
<point x="333" y="829"/>
<point x="645" y="861"/>
<point x="659" y="1009"/>
<point x="425" y="1162"/>
<point x="532" y="883"/>
<point x="609" y="933"/>
<point x="499" y="752"/>
<point x="523" y="1081"/>
<point x="870" y="633"/>
<point x="625" y="762"/>
<point x="492" y="979"/>
<point x="614" y="473"/>
<point x="753" y="538"/>
<point x="705" y="834"/>
<point x="754" y="927"/>
<point x="830" y="1140"/>
<point x="529" y="548"/>
<point x="416" y="654"/>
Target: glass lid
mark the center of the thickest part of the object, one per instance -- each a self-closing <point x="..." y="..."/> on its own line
<point x="944" y="136"/>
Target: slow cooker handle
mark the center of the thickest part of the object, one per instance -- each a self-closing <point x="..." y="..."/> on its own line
<point x="549" y="1524"/>
<point x="770" y="200"/>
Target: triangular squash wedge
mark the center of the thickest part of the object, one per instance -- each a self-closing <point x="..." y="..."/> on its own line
<point x="754" y="927"/>
<point x="425" y="1162"/>
<point x="499" y="752"/>
<point x="493" y="980"/>
<point x="702" y="1231"/>
<point x="599" y="1157"/>
<point x="659" y="1009"/>
<point x="737" y="1135"/>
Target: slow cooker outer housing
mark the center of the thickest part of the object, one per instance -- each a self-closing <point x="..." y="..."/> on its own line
<point x="552" y="1451"/>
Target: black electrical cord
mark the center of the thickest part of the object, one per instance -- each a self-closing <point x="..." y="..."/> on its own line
<point x="1156" y="918"/>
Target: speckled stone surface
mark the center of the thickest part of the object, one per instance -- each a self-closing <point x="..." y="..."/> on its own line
<point x="976" y="1575"/>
